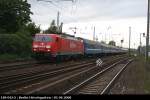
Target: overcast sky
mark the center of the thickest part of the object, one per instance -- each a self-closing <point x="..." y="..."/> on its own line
<point x="111" y="18"/>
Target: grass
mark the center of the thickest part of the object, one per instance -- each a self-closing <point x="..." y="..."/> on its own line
<point x="132" y="79"/>
<point x="12" y="57"/>
<point x="147" y="78"/>
<point x="146" y="72"/>
<point x="141" y="79"/>
<point x="136" y="75"/>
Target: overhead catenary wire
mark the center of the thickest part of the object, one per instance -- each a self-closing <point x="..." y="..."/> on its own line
<point x="63" y="10"/>
<point x="59" y="8"/>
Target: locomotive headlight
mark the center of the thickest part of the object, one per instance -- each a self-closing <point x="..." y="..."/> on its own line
<point x="48" y="46"/>
<point x="34" y="49"/>
<point x="35" y="46"/>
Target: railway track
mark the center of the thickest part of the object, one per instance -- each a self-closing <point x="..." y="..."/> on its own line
<point x="6" y="82"/>
<point x="37" y="68"/>
<point x="19" y="65"/>
<point x="23" y="64"/>
<point x="61" y="85"/>
<point x="41" y="67"/>
<point x="10" y="83"/>
<point x="63" y="82"/>
<point x="31" y="64"/>
<point x="101" y="82"/>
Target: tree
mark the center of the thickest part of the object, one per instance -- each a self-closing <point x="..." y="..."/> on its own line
<point x="33" y="29"/>
<point x="14" y="14"/>
<point x="52" y="28"/>
<point x="112" y="43"/>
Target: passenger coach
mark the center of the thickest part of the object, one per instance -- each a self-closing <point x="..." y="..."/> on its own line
<point x="97" y="48"/>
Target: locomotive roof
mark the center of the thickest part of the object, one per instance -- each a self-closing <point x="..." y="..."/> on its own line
<point x="45" y="34"/>
<point x="67" y="36"/>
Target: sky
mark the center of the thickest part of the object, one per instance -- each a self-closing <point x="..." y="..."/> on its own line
<point x="111" y="18"/>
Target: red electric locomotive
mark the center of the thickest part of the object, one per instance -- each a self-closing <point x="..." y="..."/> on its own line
<point x="57" y="45"/>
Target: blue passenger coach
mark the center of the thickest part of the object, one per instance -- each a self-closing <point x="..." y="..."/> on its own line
<point x="94" y="47"/>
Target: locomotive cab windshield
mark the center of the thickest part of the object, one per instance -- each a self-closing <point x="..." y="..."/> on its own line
<point x="41" y="38"/>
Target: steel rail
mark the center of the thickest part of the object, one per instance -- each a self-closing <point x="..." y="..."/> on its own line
<point x="91" y="78"/>
<point x="107" y="88"/>
<point x="19" y="66"/>
<point x="27" y="78"/>
<point x="18" y="81"/>
<point x="64" y="79"/>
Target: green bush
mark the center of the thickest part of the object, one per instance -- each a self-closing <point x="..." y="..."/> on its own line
<point x="8" y="57"/>
<point x="19" y="44"/>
